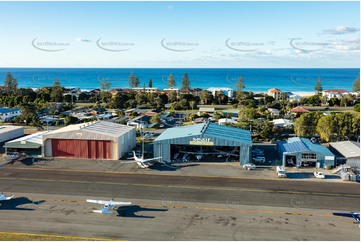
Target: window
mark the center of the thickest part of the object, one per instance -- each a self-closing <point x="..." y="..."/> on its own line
<point x="309" y="156"/>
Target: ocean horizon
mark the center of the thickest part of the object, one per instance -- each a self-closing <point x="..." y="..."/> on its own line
<point x="255" y="79"/>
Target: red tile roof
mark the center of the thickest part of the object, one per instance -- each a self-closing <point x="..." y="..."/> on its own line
<point x="299" y="109"/>
<point x="274" y="90"/>
<point x="336" y="90"/>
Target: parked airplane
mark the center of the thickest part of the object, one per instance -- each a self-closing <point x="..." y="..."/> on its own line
<point x="145" y="163"/>
<point x="199" y="154"/>
<point x="355" y="216"/>
<point x="14" y="156"/>
<point x="108" y="205"/>
<point x="5" y="198"/>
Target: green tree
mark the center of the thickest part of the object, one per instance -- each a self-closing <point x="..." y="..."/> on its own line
<point x="318" y="86"/>
<point x="206" y="97"/>
<point x="239" y="87"/>
<point x="356" y="108"/>
<point x="325" y="127"/>
<point x="133" y="80"/>
<point x="56" y="91"/>
<point x="172" y="96"/>
<point x="150" y="83"/>
<point x="346" y="100"/>
<point x="171" y="81"/>
<point x="155" y="119"/>
<point x="70" y="120"/>
<point x="356" y="84"/>
<point x="11" y="84"/>
<point x="305" y="125"/>
<point x="185" y="83"/>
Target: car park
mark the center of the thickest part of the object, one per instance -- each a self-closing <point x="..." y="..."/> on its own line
<point x="319" y="175"/>
<point x="249" y="166"/>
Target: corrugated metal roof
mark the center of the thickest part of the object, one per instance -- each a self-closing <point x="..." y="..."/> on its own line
<point x="296" y="144"/>
<point x="99" y="127"/>
<point x="99" y="130"/>
<point x="347" y="149"/>
<point x="7" y="128"/>
<point x="8" y="110"/>
<point x="30" y="141"/>
<point x="208" y="129"/>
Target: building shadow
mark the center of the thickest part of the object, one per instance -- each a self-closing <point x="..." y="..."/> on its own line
<point x="130" y="211"/>
<point x="13" y="203"/>
<point x="170" y="167"/>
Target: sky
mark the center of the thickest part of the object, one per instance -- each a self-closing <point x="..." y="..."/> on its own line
<point x="180" y="34"/>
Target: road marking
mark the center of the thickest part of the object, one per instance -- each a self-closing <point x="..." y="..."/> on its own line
<point x="188" y="187"/>
<point x="51" y="235"/>
<point x="205" y="208"/>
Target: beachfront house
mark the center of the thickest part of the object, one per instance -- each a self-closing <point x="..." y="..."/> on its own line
<point x="334" y="93"/>
<point x="6" y="114"/>
<point x="275" y="93"/>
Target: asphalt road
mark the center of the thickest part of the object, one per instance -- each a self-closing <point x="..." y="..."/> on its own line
<point x="188" y="208"/>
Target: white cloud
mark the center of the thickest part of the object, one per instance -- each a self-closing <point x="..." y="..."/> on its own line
<point x="340" y="30"/>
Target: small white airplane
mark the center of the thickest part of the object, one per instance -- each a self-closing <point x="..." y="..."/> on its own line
<point x="4" y="198"/>
<point x="108" y="205"/>
<point x="145" y="163"/>
<point x="355" y="216"/>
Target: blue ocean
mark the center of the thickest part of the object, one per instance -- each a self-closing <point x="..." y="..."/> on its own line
<point x="255" y="79"/>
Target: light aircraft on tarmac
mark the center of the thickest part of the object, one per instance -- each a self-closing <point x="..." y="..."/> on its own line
<point x="145" y="163"/>
<point x="355" y="216"/>
<point x="199" y="154"/>
<point x="108" y="205"/>
<point x="14" y="157"/>
<point x="5" y="198"/>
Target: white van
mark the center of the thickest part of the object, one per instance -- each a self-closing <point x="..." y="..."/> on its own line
<point x="281" y="172"/>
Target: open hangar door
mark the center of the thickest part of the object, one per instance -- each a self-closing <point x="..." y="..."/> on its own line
<point x="90" y="149"/>
<point x="194" y="153"/>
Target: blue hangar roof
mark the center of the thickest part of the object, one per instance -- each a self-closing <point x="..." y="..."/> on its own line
<point x="296" y="144"/>
<point x="207" y="129"/>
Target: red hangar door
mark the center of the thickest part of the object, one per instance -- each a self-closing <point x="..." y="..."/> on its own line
<point x="91" y="149"/>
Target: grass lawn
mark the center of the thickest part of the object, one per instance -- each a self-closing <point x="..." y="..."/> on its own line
<point x="4" y="236"/>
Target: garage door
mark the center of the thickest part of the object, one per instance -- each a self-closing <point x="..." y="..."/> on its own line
<point x="93" y="149"/>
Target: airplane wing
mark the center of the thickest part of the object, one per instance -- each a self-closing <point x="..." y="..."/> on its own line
<point x="97" y="201"/>
<point x="151" y="159"/>
<point x="120" y="203"/>
<point x="349" y="215"/>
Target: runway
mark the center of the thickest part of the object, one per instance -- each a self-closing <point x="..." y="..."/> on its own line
<point x="176" y="207"/>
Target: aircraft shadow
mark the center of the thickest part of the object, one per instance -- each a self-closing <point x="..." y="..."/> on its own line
<point x="130" y="211"/>
<point x="170" y="167"/>
<point x="34" y="161"/>
<point x="13" y="203"/>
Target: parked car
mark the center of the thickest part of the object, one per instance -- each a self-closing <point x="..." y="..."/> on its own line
<point x="249" y="166"/>
<point x="281" y="172"/>
<point x="319" y="174"/>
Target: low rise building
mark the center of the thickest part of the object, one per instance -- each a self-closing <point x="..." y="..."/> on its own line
<point x="347" y="152"/>
<point x="9" y="132"/>
<point x="275" y="93"/>
<point x="302" y="152"/>
<point x="334" y="93"/>
<point x="6" y="114"/>
<point x="93" y="140"/>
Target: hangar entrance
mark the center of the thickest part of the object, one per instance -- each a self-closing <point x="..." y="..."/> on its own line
<point x="202" y="153"/>
<point x="90" y="149"/>
<point x="308" y="159"/>
<point x="291" y="160"/>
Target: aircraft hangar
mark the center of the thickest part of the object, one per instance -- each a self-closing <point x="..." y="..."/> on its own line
<point x="93" y="140"/>
<point x="204" y="142"/>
